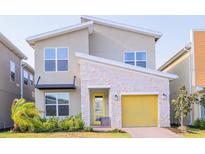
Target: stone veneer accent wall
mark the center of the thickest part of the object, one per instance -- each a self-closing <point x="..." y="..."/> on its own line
<point x="121" y="80"/>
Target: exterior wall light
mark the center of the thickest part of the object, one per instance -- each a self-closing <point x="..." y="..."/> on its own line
<point x="116" y="98"/>
<point x="164" y="96"/>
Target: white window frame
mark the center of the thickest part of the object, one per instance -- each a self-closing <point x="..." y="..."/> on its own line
<point x="56" y="94"/>
<point x="30" y="79"/>
<point x="56" y="59"/>
<point x="24" y="77"/>
<point x="11" y="62"/>
<point x="135" y="60"/>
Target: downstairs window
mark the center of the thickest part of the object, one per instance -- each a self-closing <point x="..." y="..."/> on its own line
<point x="57" y="104"/>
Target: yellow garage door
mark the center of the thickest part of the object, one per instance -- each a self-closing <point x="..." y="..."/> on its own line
<point x="139" y="110"/>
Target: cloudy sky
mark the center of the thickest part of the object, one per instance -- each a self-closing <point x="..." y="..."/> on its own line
<point x="175" y="29"/>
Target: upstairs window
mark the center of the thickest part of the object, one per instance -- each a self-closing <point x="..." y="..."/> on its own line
<point x="136" y="58"/>
<point x="31" y="79"/>
<point x="12" y="71"/>
<point x="25" y="77"/>
<point x="56" y="59"/>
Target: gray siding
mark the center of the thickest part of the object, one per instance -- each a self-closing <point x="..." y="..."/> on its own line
<point x="28" y="90"/>
<point x="9" y="90"/>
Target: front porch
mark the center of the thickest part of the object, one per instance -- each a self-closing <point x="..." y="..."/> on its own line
<point x="99" y="107"/>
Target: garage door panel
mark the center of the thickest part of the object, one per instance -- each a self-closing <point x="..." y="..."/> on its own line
<point x="139" y="110"/>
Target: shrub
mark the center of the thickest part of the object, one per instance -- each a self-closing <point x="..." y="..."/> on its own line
<point x="78" y="122"/>
<point x="88" y="129"/>
<point x="26" y="117"/>
<point x="50" y="125"/>
<point x="199" y="124"/>
<point x="202" y="124"/>
<point x="72" y="123"/>
<point x="65" y="124"/>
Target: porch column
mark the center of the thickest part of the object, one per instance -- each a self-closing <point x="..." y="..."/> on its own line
<point x="85" y="105"/>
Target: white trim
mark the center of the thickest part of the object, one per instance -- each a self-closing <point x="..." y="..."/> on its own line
<point x="56" y="60"/>
<point x="198" y="29"/>
<point x="14" y="64"/>
<point x="31" y="75"/>
<point x="135" y="29"/>
<point x="32" y="39"/>
<point x="139" y="93"/>
<point x="12" y="47"/>
<point x="126" y="66"/>
<point x="176" y="56"/>
<point x="135" y="60"/>
<point x="24" y="77"/>
<point x="193" y="60"/>
<point x="99" y="86"/>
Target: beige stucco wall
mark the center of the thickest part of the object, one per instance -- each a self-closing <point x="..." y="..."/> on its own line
<point x="111" y="43"/>
<point x="181" y="67"/>
<point x="76" y="42"/>
<point x="121" y="81"/>
<point x="9" y="90"/>
<point x="104" y="42"/>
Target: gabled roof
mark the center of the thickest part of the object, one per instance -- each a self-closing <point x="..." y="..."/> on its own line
<point x="126" y="66"/>
<point x="179" y="54"/>
<point x="32" y="39"/>
<point x="138" y="30"/>
<point x="12" y="47"/>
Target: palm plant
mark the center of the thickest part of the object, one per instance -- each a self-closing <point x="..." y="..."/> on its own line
<point x="25" y="115"/>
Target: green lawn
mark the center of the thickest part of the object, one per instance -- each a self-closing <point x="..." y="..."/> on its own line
<point x="191" y="132"/>
<point x="194" y="133"/>
<point x="65" y="135"/>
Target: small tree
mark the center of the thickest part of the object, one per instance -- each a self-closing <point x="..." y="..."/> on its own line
<point x="182" y="105"/>
<point x="202" y="100"/>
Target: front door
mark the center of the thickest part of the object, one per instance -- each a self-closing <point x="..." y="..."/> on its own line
<point x="98" y="107"/>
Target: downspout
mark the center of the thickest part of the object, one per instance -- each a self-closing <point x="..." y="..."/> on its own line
<point x="190" y="88"/>
<point x="187" y="49"/>
<point x="23" y="65"/>
<point x="21" y="75"/>
<point x="192" y="73"/>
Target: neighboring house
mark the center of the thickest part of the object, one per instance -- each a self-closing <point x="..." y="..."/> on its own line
<point x="104" y="70"/>
<point x="10" y="79"/>
<point x="28" y="82"/>
<point x="188" y="64"/>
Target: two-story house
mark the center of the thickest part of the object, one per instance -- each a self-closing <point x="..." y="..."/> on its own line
<point x="104" y="70"/>
<point x="11" y="87"/>
<point x="188" y="65"/>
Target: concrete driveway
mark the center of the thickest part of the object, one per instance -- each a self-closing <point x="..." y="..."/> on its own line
<point x="151" y="132"/>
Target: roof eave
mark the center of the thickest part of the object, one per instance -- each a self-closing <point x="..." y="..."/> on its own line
<point x="12" y="47"/>
<point x="126" y="66"/>
<point x="32" y="39"/>
<point x="179" y="54"/>
<point x="29" y="67"/>
<point x="148" y="32"/>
